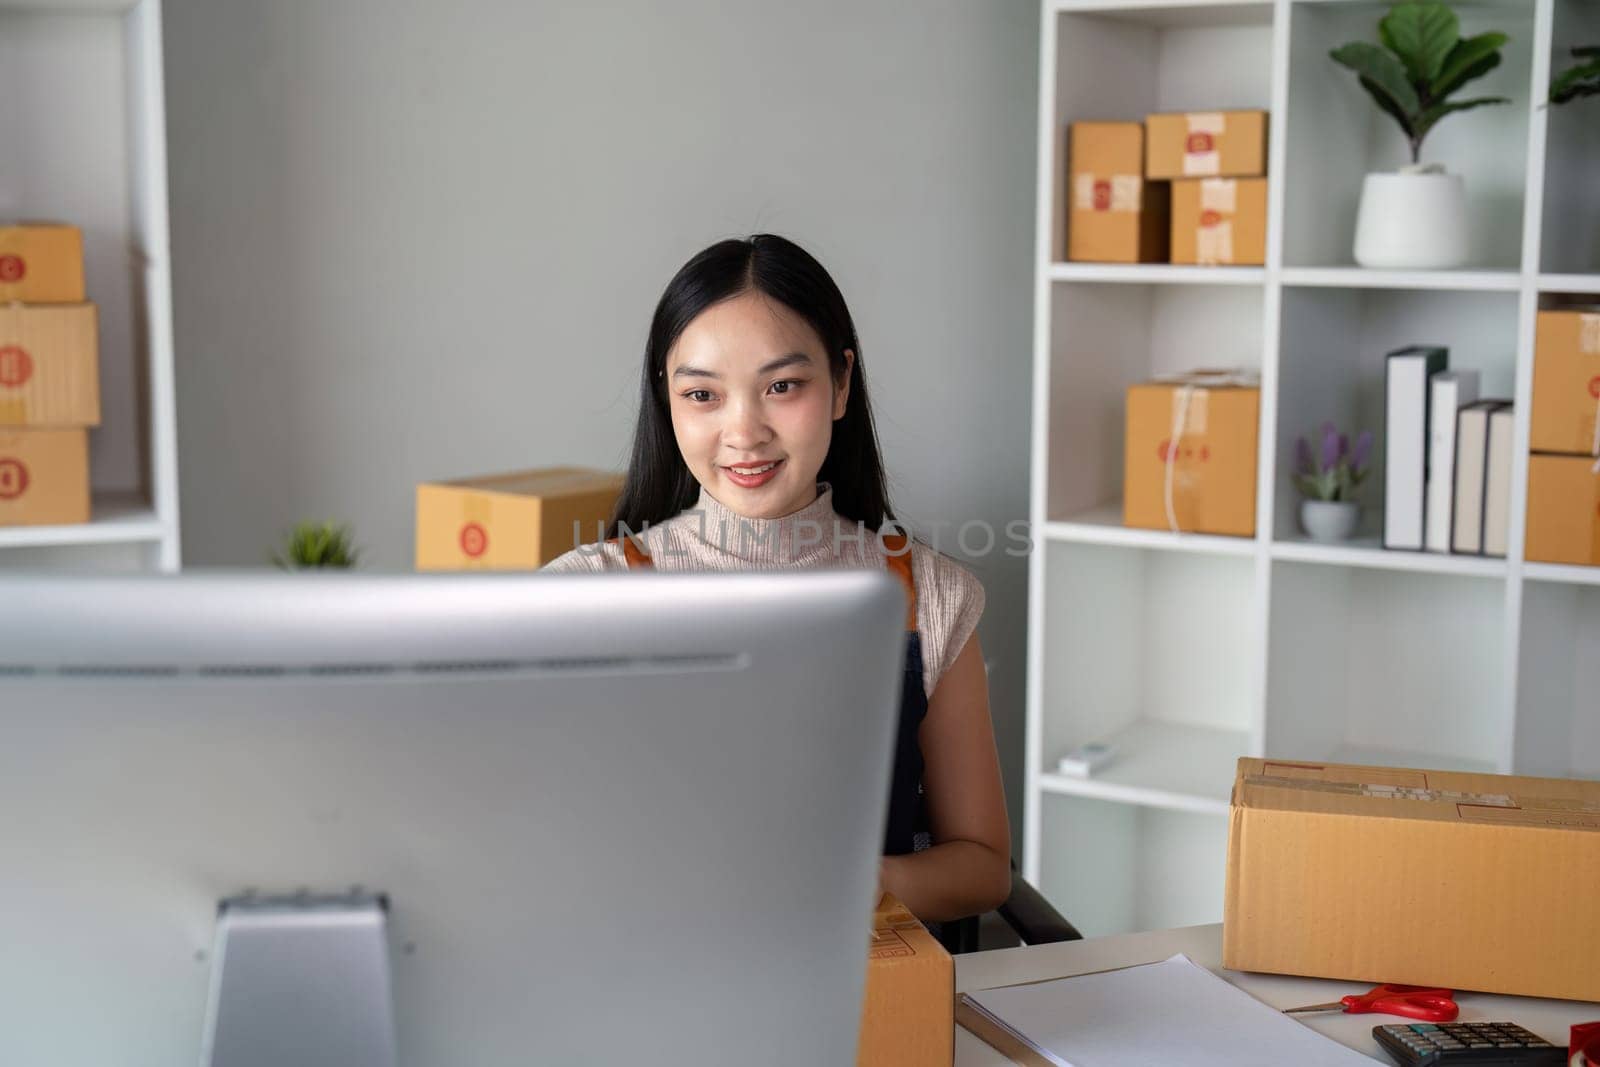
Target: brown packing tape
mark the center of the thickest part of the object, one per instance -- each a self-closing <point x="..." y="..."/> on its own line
<point x="1589" y="334"/>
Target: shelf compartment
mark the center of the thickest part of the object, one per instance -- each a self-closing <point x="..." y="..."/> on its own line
<point x="1335" y="135"/>
<point x="1558" y="680"/>
<point x="1122" y="62"/>
<point x="118" y="518"/>
<point x="1369" y="552"/>
<point x="1107" y="337"/>
<point x="1118" y="868"/>
<point x="1332" y="349"/>
<point x="1380" y="667"/>
<point x="1163" y="765"/>
<point x="1570" y="229"/>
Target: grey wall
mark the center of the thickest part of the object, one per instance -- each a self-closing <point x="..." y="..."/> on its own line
<point x="418" y="240"/>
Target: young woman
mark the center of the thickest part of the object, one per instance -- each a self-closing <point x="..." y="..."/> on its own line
<point x="755" y="448"/>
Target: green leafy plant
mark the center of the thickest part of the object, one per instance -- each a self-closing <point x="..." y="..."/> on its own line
<point x="1582" y="79"/>
<point x="1423" y="60"/>
<point x="1335" y="472"/>
<point x="316" y="545"/>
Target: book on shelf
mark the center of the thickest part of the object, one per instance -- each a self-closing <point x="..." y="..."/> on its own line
<point x="1471" y="475"/>
<point x="1405" y="473"/>
<point x="1497" y="482"/>
<point x="1449" y="392"/>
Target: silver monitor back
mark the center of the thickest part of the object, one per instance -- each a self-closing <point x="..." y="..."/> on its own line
<point x="617" y="818"/>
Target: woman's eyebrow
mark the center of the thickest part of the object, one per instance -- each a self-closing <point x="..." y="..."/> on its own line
<point x="781" y="362"/>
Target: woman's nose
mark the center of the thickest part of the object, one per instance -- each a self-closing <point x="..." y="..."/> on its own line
<point x="745" y="426"/>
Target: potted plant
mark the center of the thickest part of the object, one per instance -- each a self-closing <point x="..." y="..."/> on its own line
<point x="1417" y="218"/>
<point x="1581" y="79"/>
<point x="316" y="546"/>
<point x="1328" y="480"/>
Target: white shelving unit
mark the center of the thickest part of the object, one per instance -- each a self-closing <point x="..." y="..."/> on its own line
<point x="1190" y="651"/>
<point x="83" y="123"/>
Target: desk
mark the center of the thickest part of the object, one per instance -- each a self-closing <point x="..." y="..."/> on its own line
<point x="1550" y="1019"/>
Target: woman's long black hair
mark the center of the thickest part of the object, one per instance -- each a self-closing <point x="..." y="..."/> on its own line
<point x="659" y="484"/>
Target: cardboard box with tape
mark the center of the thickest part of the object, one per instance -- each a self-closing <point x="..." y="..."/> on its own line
<point x="1206" y="144"/>
<point x="49" y="365"/>
<point x="1566" y="382"/>
<point x="1563" y="510"/>
<point x="1189" y="459"/>
<point x="1114" y="214"/>
<point x="1376" y="874"/>
<point x="41" y="263"/>
<point x="1219" y="221"/>
<point x="517" y="521"/>
<point x="44" y="476"/>
<point x="908" y="1014"/>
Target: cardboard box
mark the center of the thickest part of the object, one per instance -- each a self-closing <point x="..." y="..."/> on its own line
<point x="508" y="522"/>
<point x="41" y="263"/>
<point x="1219" y="221"/>
<point x="49" y="365"/>
<point x="1566" y="382"/>
<point x="1115" y="215"/>
<point x="1213" y="466"/>
<point x="1206" y="144"/>
<point x="1563" y="510"/>
<point x="44" y="477"/>
<point x="908" y="1017"/>
<point x="1373" y="874"/>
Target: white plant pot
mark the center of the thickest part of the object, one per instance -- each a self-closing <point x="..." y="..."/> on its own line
<point x="1413" y="220"/>
<point x="1330" y="520"/>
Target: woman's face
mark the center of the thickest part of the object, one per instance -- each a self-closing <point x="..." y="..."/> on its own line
<point x="753" y="404"/>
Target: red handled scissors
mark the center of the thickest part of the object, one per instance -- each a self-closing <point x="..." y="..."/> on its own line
<point x="1412" y="1001"/>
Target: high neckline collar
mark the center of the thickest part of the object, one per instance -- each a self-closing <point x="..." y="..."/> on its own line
<point x="770" y="540"/>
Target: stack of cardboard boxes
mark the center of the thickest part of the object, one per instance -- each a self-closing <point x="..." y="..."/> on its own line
<point x="1179" y="188"/>
<point x="1564" y="439"/>
<point x="512" y="522"/>
<point x="49" y="376"/>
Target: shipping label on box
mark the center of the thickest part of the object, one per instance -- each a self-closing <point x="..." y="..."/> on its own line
<point x="1220" y="221"/>
<point x="908" y="1013"/>
<point x="1189" y="461"/>
<point x="49" y="365"/>
<point x="44" y="477"/>
<point x="1377" y="874"/>
<point x="41" y="263"/>
<point x="1563" y="510"/>
<point x="1566" y="382"/>
<point x="1114" y="214"/>
<point x="517" y="521"/>
<point x="1206" y="144"/>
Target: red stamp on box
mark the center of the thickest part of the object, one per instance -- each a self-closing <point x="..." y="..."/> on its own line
<point x="12" y="268"/>
<point x="1102" y="195"/>
<point x="13" y="479"/>
<point x="16" y="366"/>
<point x="1209" y="218"/>
<point x="1166" y="453"/>
<point x="474" y="540"/>
<point x="1200" y="142"/>
<point x="1594" y="387"/>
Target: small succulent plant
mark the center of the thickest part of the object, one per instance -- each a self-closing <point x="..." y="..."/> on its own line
<point x="317" y="545"/>
<point x="1336" y="469"/>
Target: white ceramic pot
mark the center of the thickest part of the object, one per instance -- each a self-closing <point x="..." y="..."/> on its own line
<point x="1330" y="520"/>
<point x="1413" y="220"/>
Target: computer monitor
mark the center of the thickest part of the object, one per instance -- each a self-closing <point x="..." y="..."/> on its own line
<point x="629" y="818"/>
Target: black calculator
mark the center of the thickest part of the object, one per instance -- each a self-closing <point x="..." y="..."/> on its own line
<point x="1479" y="1044"/>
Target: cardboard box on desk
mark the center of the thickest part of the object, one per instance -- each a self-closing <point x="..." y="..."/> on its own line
<point x="1566" y="382"/>
<point x="908" y="1017"/>
<point x="49" y="365"/>
<point x="1563" y="510"/>
<point x="1375" y="874"/>
<point x="1114" y="214"/>
<point x="1206" y="144"/>
<point x="1220" y="221"/>
<point x="1212" y="465"/>
<point x="41" y="263"/>
<point x="517" y="521"/>
<point x="44" y="477"/>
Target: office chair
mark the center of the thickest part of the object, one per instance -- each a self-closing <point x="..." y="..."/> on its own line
<point x="1026" y="911"/>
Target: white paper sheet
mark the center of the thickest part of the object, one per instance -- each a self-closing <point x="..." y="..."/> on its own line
<point x="1175" y="1012"/>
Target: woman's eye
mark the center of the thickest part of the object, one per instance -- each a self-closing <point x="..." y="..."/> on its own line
<point x="789" y="384"/>
<point x="698" y="396"/>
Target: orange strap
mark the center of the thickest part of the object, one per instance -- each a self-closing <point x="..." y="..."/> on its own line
<point x="898" y="562"/>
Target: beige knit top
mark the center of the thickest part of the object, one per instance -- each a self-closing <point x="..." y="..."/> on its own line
<point x="711" y="536"/>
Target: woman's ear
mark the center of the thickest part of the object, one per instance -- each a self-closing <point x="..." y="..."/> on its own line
<point x="841" y="391"/>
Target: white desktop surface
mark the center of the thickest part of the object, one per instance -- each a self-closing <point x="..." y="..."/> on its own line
<point x="1550" y="1019"/>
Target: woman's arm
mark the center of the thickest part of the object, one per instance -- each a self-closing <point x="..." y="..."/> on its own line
<point x="968" y="870"/>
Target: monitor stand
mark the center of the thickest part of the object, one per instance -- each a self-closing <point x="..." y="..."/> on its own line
<point x="301" y="980"/>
